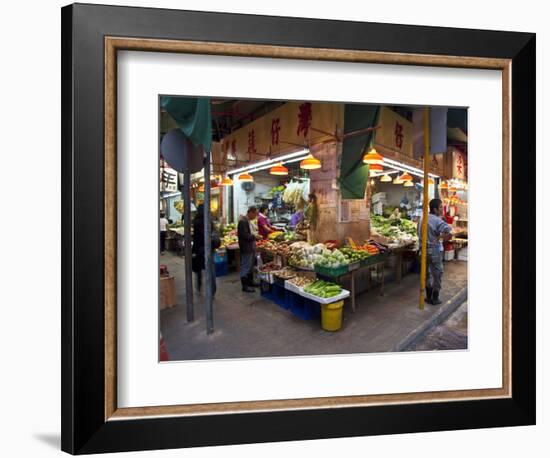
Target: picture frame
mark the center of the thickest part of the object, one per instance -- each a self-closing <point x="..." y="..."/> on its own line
<point x="91" y="37"/>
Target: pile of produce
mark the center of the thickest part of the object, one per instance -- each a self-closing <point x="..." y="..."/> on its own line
<point x="178" y="205"/>
<point x="324" y="289"/>
<point x="276" y="248"/>
<point x="332" y="259"/>
<point x="276" y="189"/>
<point x="229" y="228"/>
<point x="276" y="235"/>
<point x="300" y="281"/>
<point x="305" y="256"/>
<point x="285" y="274"/>
<point x="398" y="231"/>
<point x="354" y="255"/>
<point x="296" y="193"/>
<point x="229" y="239"/>
<point x="270" y="267"/>
<point x="292" y="236"/>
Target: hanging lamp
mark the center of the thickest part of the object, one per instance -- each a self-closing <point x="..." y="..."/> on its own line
<point x="453" y="188"/>
<point x="278" y="169"/>
<point x="226" y="182"/>
<point x="443" y="185"/>
<point x="310" y="163"/>
<point x="373" y="158"/>
<point x="375" y="168"/>
<point x="245" y="177"/>
<point x="385" y="179"/>
<point x="408" y="184"/>
<point x="397" y="180"/>
<point x="406" y="177"/>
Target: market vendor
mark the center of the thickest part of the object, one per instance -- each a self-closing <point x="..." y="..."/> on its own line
<point x="264" y="225"/>
<point x="438" y="231"/>
<point x="296" y="218"/>
<point x="247" y="245"/>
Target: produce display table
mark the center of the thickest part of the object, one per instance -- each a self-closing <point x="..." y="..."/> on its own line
<point x="377" y="264"/>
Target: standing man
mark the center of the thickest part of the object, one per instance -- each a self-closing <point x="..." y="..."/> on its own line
<point x="247" y="245"/>
<point x="163" y="229"/>
<point x="438" y="230"/>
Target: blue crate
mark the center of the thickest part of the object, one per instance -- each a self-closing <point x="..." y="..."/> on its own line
<point x="302" y="307"/>
<point x="221" y="268"/>
<point x="266" y="290"/>
<point x="279" y="296"/>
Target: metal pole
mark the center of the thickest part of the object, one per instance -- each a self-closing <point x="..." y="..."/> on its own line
<point x="424" y="207"/>
<point x="207" y="249"/>
<point x="186" y="194"/>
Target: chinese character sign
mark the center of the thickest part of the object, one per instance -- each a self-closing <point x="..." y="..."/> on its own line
<point x="395" y="132"/>
<point x="275" y="129"/>
<point x="251" y="144"/>
<point x="459" y="165"/>
<point x="168" y="178"/>
<point x="304" y="119"/>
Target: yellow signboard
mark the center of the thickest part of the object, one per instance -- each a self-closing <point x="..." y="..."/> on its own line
<point x="284" y="129"/>
<point x="395" y="132"/>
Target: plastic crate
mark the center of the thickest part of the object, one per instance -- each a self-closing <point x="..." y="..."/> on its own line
<point x="331" y="271"/>
<point x="220" y="255"/>
<point x="374" y="259"/>
<point x="221" y="268"/>
<point x="279" y="296"/>
<point x="302" y="307"/>
<point x="266" y="290"/>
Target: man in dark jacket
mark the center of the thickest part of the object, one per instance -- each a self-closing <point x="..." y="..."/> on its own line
<point x="247" y="245"/>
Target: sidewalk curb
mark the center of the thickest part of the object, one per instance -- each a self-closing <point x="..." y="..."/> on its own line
<point x="442" y="314"/>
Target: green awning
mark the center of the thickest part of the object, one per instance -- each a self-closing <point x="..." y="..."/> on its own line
<point x="353" y="173"/>
<point x="193" y="116"/>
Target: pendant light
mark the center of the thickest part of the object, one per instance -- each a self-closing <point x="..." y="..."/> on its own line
<point x="408" y="184"/>
<point x="406" y="177"/>
<point x="375" y="168"/>
<point x="245" y="177"/>
<point x="226" y="182"/>
<point x="385" y="179"/>
<point x="310" y="163"/>
<point x="397" y="180"/>
<point x="443" y="185"/>
<point x="373" y="158"/>
<point x="278" y="169"/>
<point x="453" y="189"/>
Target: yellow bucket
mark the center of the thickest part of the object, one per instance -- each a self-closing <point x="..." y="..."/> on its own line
<point x="331" y="316"/>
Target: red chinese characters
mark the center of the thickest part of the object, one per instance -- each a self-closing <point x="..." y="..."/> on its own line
<point x="304" y="118"/>
<point x="398" y="132"/>
<point x="459" y="165"/>
<point x="275" y="129"/>
<point x="251" y="143"/>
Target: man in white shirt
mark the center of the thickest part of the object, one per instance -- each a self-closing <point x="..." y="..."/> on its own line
<point x="163" y="229"/>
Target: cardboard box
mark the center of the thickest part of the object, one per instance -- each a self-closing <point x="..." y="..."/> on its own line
<point x="167" y="292"/>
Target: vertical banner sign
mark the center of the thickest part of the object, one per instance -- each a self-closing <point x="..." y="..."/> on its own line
<point x="395" y="132"/>
<point x="459" y="165"/>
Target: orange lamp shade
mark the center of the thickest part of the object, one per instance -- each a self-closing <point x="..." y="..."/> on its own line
<point x="443" y="185"/>
<point x="226" y="182"/>
<point x="310" y="163"/>
<point x="452" y="189"/>
<point x="278" y="169"/>
<point x="406" y="177"/>
<point x="245" y="177"/>
<point x="375" y="168"/>
<point x="373" y="158"/>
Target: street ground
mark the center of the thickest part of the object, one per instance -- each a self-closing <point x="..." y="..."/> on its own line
<point x="450" y="335"/>
<point x="247" y="325"/>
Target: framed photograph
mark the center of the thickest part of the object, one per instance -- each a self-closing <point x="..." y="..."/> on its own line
<point x="284" y="228"/>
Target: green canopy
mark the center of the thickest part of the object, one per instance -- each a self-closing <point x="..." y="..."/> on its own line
<point x="353" y="173"/>
<point x="193" y="117"/>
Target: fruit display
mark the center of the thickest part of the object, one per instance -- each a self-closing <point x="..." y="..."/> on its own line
<point x="296" y="193"/>
<point x="231" y="227"/>
<point x="292" y="236"/>
<point x="354" y="255"/>
<point x="276" y="235"/>
<point x="332" y="259"/>
<point x="272" y="247"/>
<point x="324" y="289"/>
